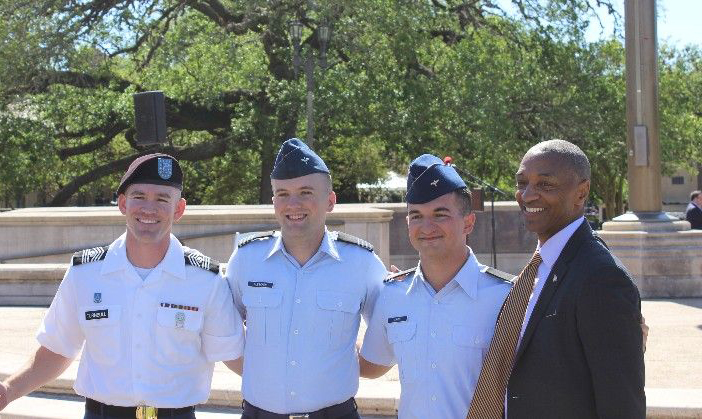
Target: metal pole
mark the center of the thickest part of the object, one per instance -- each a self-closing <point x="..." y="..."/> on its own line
<point x="309" y="76"/>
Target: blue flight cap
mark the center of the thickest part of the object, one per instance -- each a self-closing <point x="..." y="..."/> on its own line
<point x="295" y="159"/>
<point x="429" y="178"/>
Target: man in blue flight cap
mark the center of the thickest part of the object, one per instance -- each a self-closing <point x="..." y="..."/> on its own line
<point x="302" y="291"/>
<point x="436" y="321"/>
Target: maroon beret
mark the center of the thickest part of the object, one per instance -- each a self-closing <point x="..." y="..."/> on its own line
<point x="156" y="169"/>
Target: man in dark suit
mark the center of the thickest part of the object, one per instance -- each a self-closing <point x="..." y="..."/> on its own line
<point x="693" y="213"/>
<point x="579" y="351"/>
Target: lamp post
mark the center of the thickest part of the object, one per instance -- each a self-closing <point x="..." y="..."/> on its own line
<point x="295" y="29"/>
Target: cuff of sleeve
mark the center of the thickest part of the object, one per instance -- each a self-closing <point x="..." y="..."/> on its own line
<point x="376" y="360"/>
<point x="223" y="348"/>
<point x="45" y="340"/>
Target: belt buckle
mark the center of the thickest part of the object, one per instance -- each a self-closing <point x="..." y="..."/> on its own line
<point x="146" y="412"/>
<point x="299" y="416"/>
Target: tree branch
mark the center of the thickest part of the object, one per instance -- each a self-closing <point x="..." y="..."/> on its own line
<point x="205" y="151"/>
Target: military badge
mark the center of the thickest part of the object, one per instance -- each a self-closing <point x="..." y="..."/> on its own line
<point x="97" y="297"/>
<point x="179" y="320"/>
<point x="165" y="168"/>
<point x="435" y="182"/>
<point x="305" y="159"/>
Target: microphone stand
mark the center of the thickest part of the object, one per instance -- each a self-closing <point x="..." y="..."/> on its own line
<point x="493" y="190"/>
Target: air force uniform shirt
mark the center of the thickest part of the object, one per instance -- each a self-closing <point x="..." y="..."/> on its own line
<point x="302" y="321"/>
<point x="438" y="339"/>
<point x="152" y="341"/>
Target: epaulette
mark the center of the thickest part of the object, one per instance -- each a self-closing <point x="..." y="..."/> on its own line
<point x="399" y="276"/>
<point x="256" y="236"/>
<point x="347" y="238"/>
<point x="197" y="259"/>
<point x="507" y="277"/>
<point x="93" y="254"/>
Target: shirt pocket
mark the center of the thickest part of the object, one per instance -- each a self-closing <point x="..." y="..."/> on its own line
<point x="102" y="331"/>
<point x="177" y="335"/>
<point x="339" y="312"/>
<point x="471" y="340"/>
<point x="402" y="337"/>
<point x="263" y="316"/>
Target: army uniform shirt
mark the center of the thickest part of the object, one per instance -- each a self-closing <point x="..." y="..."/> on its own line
<point x="438" y="339"/>
<point x="152" y="341"/>
<point x="302" y="321"/>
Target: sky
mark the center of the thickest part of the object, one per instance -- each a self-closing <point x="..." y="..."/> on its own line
<point x="678" y="22"/>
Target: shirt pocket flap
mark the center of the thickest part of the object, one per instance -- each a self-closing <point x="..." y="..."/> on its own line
<point x="96" y="316"/>
<point x="262" y="298"/>
<point x="180" y="319"/>
<point x="401" y="331"/>
<point x="471" y="336"/>
<point x="338" y="301"/>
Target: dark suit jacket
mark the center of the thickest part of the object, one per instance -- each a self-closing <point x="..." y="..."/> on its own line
<point x="581" y="355"/>
<point x="694" y="215"/>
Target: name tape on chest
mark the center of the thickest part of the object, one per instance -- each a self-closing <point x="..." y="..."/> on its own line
<point x="260" y="284"/>
<point x="397" y="319"/>
<point x="96" y="314"/>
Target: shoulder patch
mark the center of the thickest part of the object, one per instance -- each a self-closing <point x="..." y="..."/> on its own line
<point x="399" y="276"/>
<point x="256" y="236"/>
<point x="197" y="259"/>
<point x="507" y="277"/>
<point x="89" y="255"/>
<point x="347" y="238"/>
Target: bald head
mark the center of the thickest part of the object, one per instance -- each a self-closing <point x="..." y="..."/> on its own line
<point x="566" y="153"/>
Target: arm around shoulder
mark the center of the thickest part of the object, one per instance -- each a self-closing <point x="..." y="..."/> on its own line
<point x="608" y="321"/>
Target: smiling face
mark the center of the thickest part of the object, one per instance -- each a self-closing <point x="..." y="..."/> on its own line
<point x="151" y="211"/>
<point x="301" y="204"/>
<point x="438" y="228"/>
<point x="549" y="193"/>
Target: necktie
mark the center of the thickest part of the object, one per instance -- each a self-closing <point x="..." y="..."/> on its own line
<point x="489" y="398"/>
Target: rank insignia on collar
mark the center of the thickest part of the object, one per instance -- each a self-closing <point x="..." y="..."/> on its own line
<point x="97" y="297"/>
<point x="179" y="320"/>
<point x="165" y="168"/>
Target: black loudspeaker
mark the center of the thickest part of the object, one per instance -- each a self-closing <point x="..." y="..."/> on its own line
<point x="150" y="117"/>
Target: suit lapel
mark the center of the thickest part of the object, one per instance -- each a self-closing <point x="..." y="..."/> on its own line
<point x="554" y="280"/>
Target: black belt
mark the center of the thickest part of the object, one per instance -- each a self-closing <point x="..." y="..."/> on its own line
<point x="331" y="412"/>
<point x="94" y="406"/>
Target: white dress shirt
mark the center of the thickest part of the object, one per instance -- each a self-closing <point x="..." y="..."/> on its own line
<point x="302" y="321"/>
<point x="137" y="349"/>
<point x="550" y="251"/>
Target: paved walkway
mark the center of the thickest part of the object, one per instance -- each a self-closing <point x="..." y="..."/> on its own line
<point x="673" y="364"/>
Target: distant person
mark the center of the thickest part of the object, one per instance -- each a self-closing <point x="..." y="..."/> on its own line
<point x="693" y="213"/>
<point x="151" y="315"/>
<point x="568" y="343"/>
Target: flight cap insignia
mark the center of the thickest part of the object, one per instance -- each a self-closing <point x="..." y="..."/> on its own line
<point x="165" y="168"/>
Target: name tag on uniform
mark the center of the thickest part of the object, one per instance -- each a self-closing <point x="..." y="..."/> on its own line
<point x="258" y="284"/>
<point x="397" y="319"/>
<point x="97" y="314"/>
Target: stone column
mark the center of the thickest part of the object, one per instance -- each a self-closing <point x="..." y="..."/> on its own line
<point x="662" y="253"/>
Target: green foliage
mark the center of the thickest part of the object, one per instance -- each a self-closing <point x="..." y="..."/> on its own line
<point x="480" y="81"/>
